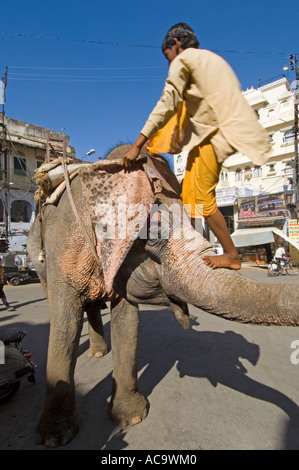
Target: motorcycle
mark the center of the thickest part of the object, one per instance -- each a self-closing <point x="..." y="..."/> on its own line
<point x="15" y="364"/>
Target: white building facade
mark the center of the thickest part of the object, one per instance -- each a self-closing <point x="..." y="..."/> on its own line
<point x="23" y="148"/>
<point x="251" y="196"/>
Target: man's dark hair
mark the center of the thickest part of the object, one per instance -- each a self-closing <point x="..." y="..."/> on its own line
<point x="183" y="33"/>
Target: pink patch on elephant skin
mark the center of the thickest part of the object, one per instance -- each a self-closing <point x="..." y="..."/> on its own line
<point x="112" y="193"/>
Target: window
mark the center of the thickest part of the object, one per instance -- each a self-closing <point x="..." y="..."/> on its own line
<point x="272" y="168"/>
<point x="271" y="114"/>
<point x="238" y="174"/>
<point x="284" y="102"/>
<point x="289" y="136"/>
<point x="39" y="161"/>
<point x="20" y="211"/>
<point x="257" y="172"/>
<point x="288" y="169"/>
<point x="247" y="173"/>
<point x="19" y="164"/>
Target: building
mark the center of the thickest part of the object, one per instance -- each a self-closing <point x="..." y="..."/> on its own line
<point x="23" y="148"/>
<point x="250" y="196"/>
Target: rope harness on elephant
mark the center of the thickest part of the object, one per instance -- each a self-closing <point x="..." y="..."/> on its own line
<point x="81" y="225"/>
<point x="53" y="179"/>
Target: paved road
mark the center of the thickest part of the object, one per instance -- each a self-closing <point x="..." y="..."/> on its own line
<point x="219" y="385"/>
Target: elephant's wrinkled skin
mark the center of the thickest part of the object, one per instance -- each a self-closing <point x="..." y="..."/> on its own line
<point x="165" y="270"/>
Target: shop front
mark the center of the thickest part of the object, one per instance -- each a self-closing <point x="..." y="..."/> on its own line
<point x="262" y="227"/>
<point x="258" y="245"/>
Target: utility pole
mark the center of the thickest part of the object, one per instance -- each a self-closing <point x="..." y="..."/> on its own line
<point x="294" y="66"/>
<point x="5" y="155"/>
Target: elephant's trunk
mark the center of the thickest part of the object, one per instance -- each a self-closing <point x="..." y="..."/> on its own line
<point x="224" y="292"/>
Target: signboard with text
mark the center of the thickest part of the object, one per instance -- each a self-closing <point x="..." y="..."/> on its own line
<point x="270" y="205"/>
<point x="294" y="230"/>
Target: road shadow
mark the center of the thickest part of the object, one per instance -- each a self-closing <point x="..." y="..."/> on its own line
<point x="163" y="344"/>
<point x="215" y="356"/>
<point x="17" y="305"/>
<point x="8" y="317"/>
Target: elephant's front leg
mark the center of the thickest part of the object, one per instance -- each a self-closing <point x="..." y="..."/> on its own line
<point x="60" y="422"/>
<point x="97" y="343"/>
<point x="127" y="406"/>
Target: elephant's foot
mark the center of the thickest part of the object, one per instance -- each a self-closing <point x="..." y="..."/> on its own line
<point x="55" y="430"/>
<point x="128" y="410"/>
<point x="98" y="349"/>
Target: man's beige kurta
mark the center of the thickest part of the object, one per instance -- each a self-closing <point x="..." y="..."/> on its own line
<point x="215" y="106"/>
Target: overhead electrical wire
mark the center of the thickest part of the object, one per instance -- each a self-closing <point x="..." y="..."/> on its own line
<point x="107" y="43"/>
<point x="136" y="67"/>
<point x="85" y="78"/>
<point x="86" y="68"/>
<point x="90" y="41"/>
<point x="116" y="79"/>
<point x="35" y="76"/>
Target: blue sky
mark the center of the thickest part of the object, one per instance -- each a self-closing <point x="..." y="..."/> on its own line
<point x="89" y="74"/>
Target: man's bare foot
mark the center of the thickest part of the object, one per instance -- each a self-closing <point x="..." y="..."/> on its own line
<point x="222" y="261"/>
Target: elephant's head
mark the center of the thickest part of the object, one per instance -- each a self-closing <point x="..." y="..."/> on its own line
<point x="138" y="216"/>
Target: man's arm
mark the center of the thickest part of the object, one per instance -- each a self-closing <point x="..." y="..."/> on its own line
<point x="165" y="108"/>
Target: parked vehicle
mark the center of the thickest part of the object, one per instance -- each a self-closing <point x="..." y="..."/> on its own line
<point x="16" y="276"/>
<point x="16" y="364"/>
<point x="18" y="268"/>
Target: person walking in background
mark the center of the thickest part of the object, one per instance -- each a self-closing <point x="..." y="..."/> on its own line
<point x="3" y="281"/>
<point x="202" y="110"/>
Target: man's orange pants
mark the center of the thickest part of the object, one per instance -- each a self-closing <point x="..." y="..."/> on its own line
<point x="200" y="181"/>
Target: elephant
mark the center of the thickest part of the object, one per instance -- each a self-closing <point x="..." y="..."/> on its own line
<point x="103" y="242"/>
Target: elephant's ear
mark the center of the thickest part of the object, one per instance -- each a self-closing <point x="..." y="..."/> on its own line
<point x="120" y="203"/>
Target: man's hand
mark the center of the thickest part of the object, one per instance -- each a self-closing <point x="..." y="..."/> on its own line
<point x="130" y="157"/>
